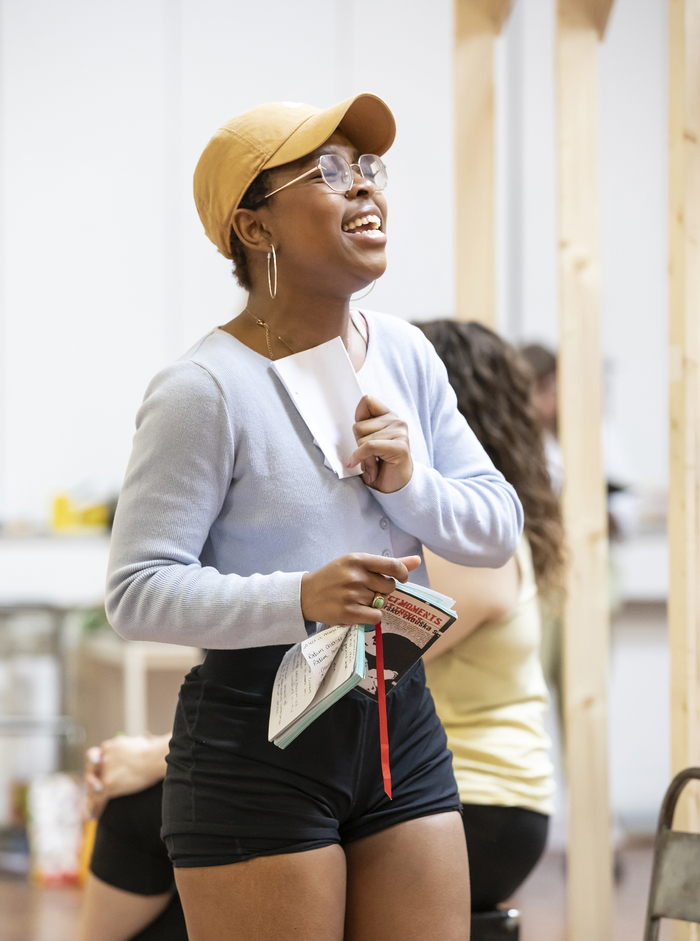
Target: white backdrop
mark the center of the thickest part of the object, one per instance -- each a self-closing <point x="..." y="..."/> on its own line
<point x="633" y="142"/>
<point x="106" y="274"/>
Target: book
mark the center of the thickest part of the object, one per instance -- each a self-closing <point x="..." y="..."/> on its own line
<point x="313" y="675"/>
<point x="316" y="672"/>
<point x="413" y="618"/>
<point x="325" y="389"/>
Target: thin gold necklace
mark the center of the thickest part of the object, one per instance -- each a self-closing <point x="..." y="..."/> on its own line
<point x="261" y="323"/>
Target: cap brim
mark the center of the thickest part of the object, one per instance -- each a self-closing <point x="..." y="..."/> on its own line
<point x="365" y="120"/>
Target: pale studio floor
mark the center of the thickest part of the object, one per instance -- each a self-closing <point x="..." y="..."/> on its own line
<point x="29" y="914"/>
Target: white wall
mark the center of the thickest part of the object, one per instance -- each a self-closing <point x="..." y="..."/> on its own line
<point x="526" y="186"/>
<point x="633" y="116"/>
<point x="106" y="273"/>
<point x="633" y="198"/>
<point x="634" y="230"/>
<point x="640" y="720"/>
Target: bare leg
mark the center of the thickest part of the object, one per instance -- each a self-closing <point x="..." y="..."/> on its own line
<point x="272" y="898"/>
<point x="111" y="914"/>
<point x="410" y="883"/>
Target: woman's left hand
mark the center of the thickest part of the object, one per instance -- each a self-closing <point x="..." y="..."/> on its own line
<point x="383" y="447"/>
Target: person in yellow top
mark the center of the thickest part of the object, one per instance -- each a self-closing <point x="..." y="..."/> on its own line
<point x="485" y="674"/>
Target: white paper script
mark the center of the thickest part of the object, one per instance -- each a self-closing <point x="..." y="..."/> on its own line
<point x="323" y="385"/>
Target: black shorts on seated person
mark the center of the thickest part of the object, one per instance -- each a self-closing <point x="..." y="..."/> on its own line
<point x="130" y="855"/>
<point x="231" y="795"/>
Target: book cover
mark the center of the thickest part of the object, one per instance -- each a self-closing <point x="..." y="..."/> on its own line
<point x="413" y="617"/>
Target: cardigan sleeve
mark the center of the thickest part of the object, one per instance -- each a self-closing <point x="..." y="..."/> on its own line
<point x="459" y="505"/>
<point x="177" y="479"/>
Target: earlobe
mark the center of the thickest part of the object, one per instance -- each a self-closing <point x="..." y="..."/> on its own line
<point x="251" y="231"/>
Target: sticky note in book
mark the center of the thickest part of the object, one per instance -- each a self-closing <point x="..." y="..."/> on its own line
<point x="324" y="387"/>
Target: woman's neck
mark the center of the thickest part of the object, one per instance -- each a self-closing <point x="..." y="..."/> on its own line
<point x="281" y="326"/>
<point x="303" y="323"/>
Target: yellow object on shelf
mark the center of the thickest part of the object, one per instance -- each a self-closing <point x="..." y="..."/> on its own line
<point x="70" y="516"/>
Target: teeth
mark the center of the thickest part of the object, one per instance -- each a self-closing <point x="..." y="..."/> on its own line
<point x="363" y="220"/>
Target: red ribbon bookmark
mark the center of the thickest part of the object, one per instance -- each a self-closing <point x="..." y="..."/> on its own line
<point x="383" y="727"/>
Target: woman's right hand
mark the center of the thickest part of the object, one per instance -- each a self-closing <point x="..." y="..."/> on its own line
<point x="342" y="592"/>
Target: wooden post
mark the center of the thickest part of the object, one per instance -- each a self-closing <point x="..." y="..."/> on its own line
<point x="477" y="23"/>
<point x="684" y="358"/>
<point x="580" y="24"/>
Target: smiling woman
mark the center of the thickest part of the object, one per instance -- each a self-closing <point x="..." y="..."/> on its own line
<point x="232" y="534"/>
<point x="330" y="168"/>
<point x="321" y="220"/>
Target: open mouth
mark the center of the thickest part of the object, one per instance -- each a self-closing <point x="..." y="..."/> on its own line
<point x="364" y="225"/>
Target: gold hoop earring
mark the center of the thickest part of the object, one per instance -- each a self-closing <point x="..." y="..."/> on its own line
<point x="366" y="292"/>
<point x="272" y="256"/>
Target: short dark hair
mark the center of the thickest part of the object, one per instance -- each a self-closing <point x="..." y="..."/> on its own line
<point x="253" y="198"/>
<point x="542" y="361"/>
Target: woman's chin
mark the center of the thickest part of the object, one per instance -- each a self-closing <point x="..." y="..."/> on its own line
<point x="371" y="273"/>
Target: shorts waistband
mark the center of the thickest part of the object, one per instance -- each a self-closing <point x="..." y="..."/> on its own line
<point x="247" y="668"/>
<point x="253" y="669"/>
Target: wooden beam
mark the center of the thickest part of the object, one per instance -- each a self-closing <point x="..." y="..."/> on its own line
<point x="476" y="24"/>
<point x="481" y="16"/>
<point x="591" y="14"/>
<point x="684" y="395"/>
<point x="586" y="616"/>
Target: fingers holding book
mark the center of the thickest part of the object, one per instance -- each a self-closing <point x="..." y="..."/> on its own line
<point x="344" y="591"/>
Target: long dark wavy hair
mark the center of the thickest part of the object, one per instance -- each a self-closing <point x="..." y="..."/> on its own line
<point x="493" y="383"/>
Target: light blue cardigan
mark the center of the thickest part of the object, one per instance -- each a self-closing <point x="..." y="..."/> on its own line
<point x="227" y="502"/>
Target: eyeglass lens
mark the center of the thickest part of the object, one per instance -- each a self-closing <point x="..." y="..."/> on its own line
<point x="338" y="173"/>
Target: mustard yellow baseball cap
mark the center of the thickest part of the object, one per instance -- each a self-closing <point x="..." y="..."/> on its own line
<point x="271" y="135"/>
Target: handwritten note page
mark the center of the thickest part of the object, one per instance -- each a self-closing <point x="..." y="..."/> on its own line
<point x="323" y="385"/>
<point x="301" y="674"/>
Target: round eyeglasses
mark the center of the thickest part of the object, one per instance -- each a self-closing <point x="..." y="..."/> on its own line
<point x="340" y="175"/>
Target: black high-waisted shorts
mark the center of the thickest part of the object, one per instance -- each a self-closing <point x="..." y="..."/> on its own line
<point x="230" y="795"/>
